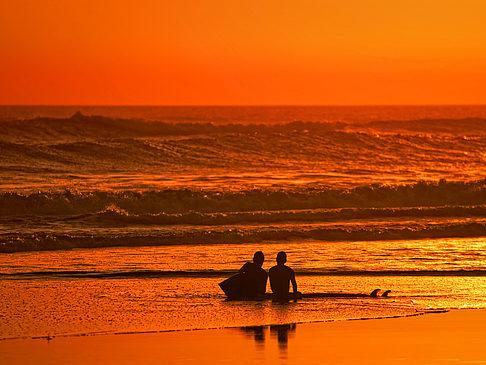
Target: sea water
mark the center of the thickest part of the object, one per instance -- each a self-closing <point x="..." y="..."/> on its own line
<point x="124" y="219"/>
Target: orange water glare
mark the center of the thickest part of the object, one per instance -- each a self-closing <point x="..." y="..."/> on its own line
<point x="214" y="52"/>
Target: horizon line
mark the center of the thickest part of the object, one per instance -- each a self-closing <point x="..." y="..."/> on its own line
<point x="238" y="105"/>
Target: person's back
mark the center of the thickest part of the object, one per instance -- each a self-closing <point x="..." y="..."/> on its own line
<point x="256" y="276"/>
<point x="281" y="276"/>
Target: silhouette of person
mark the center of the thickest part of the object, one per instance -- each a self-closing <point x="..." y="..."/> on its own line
<point x="280" y="278"/>
<point x="256" y="277"/>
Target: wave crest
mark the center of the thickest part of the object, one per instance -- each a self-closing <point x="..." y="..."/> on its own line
<point x="193" y="202"/>
<point x="40" y="241"/>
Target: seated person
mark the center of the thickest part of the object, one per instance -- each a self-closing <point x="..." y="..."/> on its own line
<point x="280" y="278"/>
<point x="256" y="277"/>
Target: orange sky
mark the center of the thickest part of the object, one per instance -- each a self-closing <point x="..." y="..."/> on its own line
<point x="242" y="52"/>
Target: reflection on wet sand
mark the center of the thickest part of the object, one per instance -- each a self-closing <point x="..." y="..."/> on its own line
<point x="258" y="334"/>
<point x="281" y="332"/>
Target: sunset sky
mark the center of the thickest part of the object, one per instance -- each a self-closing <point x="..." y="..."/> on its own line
<point x="242" y="52"/>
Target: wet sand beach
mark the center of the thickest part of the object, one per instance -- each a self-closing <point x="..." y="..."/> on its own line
<point x="455" y="337"/>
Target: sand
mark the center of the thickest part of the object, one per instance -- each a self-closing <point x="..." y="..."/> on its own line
<point x="458" y="336"/>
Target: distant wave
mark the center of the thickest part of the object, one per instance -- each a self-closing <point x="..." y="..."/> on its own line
<point x="344" y="232"/>
<point x="82" y="126"/>
<point x="142" y="274"/>
<point x="85" y="146"/>
<point x="192" y="206"/>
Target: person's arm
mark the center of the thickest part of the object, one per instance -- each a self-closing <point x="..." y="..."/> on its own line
<point x="294" y="283"/>
<point x="271" y="281"/>
<point x="263" y="284"/>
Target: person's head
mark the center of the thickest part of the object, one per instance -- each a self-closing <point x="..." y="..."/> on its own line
<point x="281" y="258"/>
<point x="258" y="258"/>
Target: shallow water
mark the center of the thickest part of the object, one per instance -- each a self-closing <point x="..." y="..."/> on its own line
<point x="175" y="287"/>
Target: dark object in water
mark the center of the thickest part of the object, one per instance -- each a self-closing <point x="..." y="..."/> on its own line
<point x="385" y="294"/>
<point x="373" y="294"/>
<point x="235" y="289"/>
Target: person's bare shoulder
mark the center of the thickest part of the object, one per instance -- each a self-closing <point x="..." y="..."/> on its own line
<point x="290" y="270"/>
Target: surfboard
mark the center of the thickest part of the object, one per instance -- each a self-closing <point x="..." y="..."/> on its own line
<point x="236" y="288"/>
<point x="373" y="294"/>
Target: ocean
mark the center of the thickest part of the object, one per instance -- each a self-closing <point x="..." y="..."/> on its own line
<point x="124" y="219"/>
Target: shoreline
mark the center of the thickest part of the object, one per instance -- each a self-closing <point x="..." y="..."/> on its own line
<point x="454" y="336"/>
<point x="148" y="332"/>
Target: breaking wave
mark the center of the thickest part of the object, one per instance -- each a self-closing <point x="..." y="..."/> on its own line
<point x="121" y="217"/>
<point x="39" y="241"/>
<point x="194" y="206"/>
